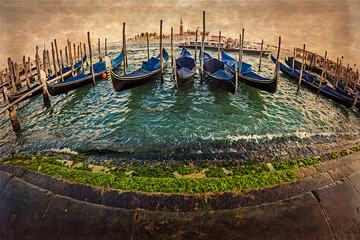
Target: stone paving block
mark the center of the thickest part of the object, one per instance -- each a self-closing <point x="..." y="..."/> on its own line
<point x="14" y="170"/>
<point x="151" y="201"/>
<point x="355" y="180"/>
<point x="4" y="178"/>
<point x="22" y="205"/>
<point x="296" y="218"/>
<point x="341" y="203"/>
<point x="67" y="218"/>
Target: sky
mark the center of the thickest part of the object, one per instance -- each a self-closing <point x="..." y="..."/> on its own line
<point x="323" y="25"/>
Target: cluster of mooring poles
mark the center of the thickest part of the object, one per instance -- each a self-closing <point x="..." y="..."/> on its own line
<point x="37" y="74"/>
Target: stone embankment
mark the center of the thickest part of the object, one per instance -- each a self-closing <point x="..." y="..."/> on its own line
<point x="323" y="206"/>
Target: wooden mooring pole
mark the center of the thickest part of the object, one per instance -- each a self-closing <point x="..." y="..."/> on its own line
<point x="302" y="69"/>
<point x="17" y="76"/>
<point x="174" y="62"/>
<point x="78" y="53"/>
<point x="45" y="65"/>
<point x="202" y="49"/>
<point x="61" y="59"/>
<point x="48" y="61"/>
<point x="71" y="59"/>
<point x="172" y="48"/>
<point x="161" y="54"/>
<point x="26" y="67"/>
<point x="124" y="48"/>
<point x="87" y="59"/>
<point x="242" y="36"/>
<point x="12" y="77"/>
<point x="293" y="61"/>
<point x="82" y="57"/>
<point x="45" y="94"/>
<point x="74" y="46"/>
<point x="100" y="58"/>
<point x="219" y="47"/>
<point x="91" y="63"/>
<point x="105" y="47"/>
<point x="58" y="60"/>
<point x="196" y="44"/>
<point x="67" y="57"/>
<point x="147" y="43"/>
<point x="323" y="72"/>
<point x="12" y="112"/>
<point x="261" y="52"/>
<point x="54" y="62"/>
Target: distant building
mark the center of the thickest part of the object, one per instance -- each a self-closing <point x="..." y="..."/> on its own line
<point x="189" y="35"/>
<point x="216" y="38"/>
<point x="181" y="28"/>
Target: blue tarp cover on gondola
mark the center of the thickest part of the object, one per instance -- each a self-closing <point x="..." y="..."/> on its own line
<point x="230" y="63"/>
<point x="222" y="75"/>
<point x="27" y="90"/>
<point x="151" y="65"/>
<point x="139" y="72"/>
<point x="154" y="63"/>
<point x="184" y="71"/>
<point x="66" y="69"/>
<point x="185" y="61"/>
<point x="116" y="61"/>
<point x="216" y="68"/>
<point x="77" y="77"/>
<point x="101" y="66"/>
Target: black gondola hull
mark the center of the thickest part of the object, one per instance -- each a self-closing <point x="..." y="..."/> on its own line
<point x="122" y="84"/>
<point x="313" y="87"/>
<point x="13" y="98"/>
<point x="269" y="85"/>
<point x="226" y="85"/>
<point x="184" y="80"/>
<point x="56" y="89"/>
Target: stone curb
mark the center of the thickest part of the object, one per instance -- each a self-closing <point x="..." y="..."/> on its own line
<point x="319" y="207"/>
<point x="30" y="212"/>
<point x="331" y="171"/>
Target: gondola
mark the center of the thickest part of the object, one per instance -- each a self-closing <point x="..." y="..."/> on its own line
<point x="82" y="79"/>
<point x="12" y="97"/>
<point x="297" y="64"/>
<point x="250" y="78"/>
<point x="185" y="68"/>
<point x="66" y="74"/>
<point x="312" y="82"/>
<point x="216" y="74"/>
<point x="340" y="85"/>
<point x="149" y="70"/>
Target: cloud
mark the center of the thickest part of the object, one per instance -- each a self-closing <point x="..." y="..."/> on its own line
<point x="322" y="25"/>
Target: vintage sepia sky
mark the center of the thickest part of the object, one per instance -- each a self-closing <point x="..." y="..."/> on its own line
<point x="332" y="25"/>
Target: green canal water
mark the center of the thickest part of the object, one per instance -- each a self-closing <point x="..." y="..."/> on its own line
<point x="156" y="117"/>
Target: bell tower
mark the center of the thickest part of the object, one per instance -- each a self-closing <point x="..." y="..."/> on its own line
<point x="181" y="28"/>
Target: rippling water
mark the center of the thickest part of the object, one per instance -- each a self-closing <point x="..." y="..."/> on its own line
<point x="158" y="116"/>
